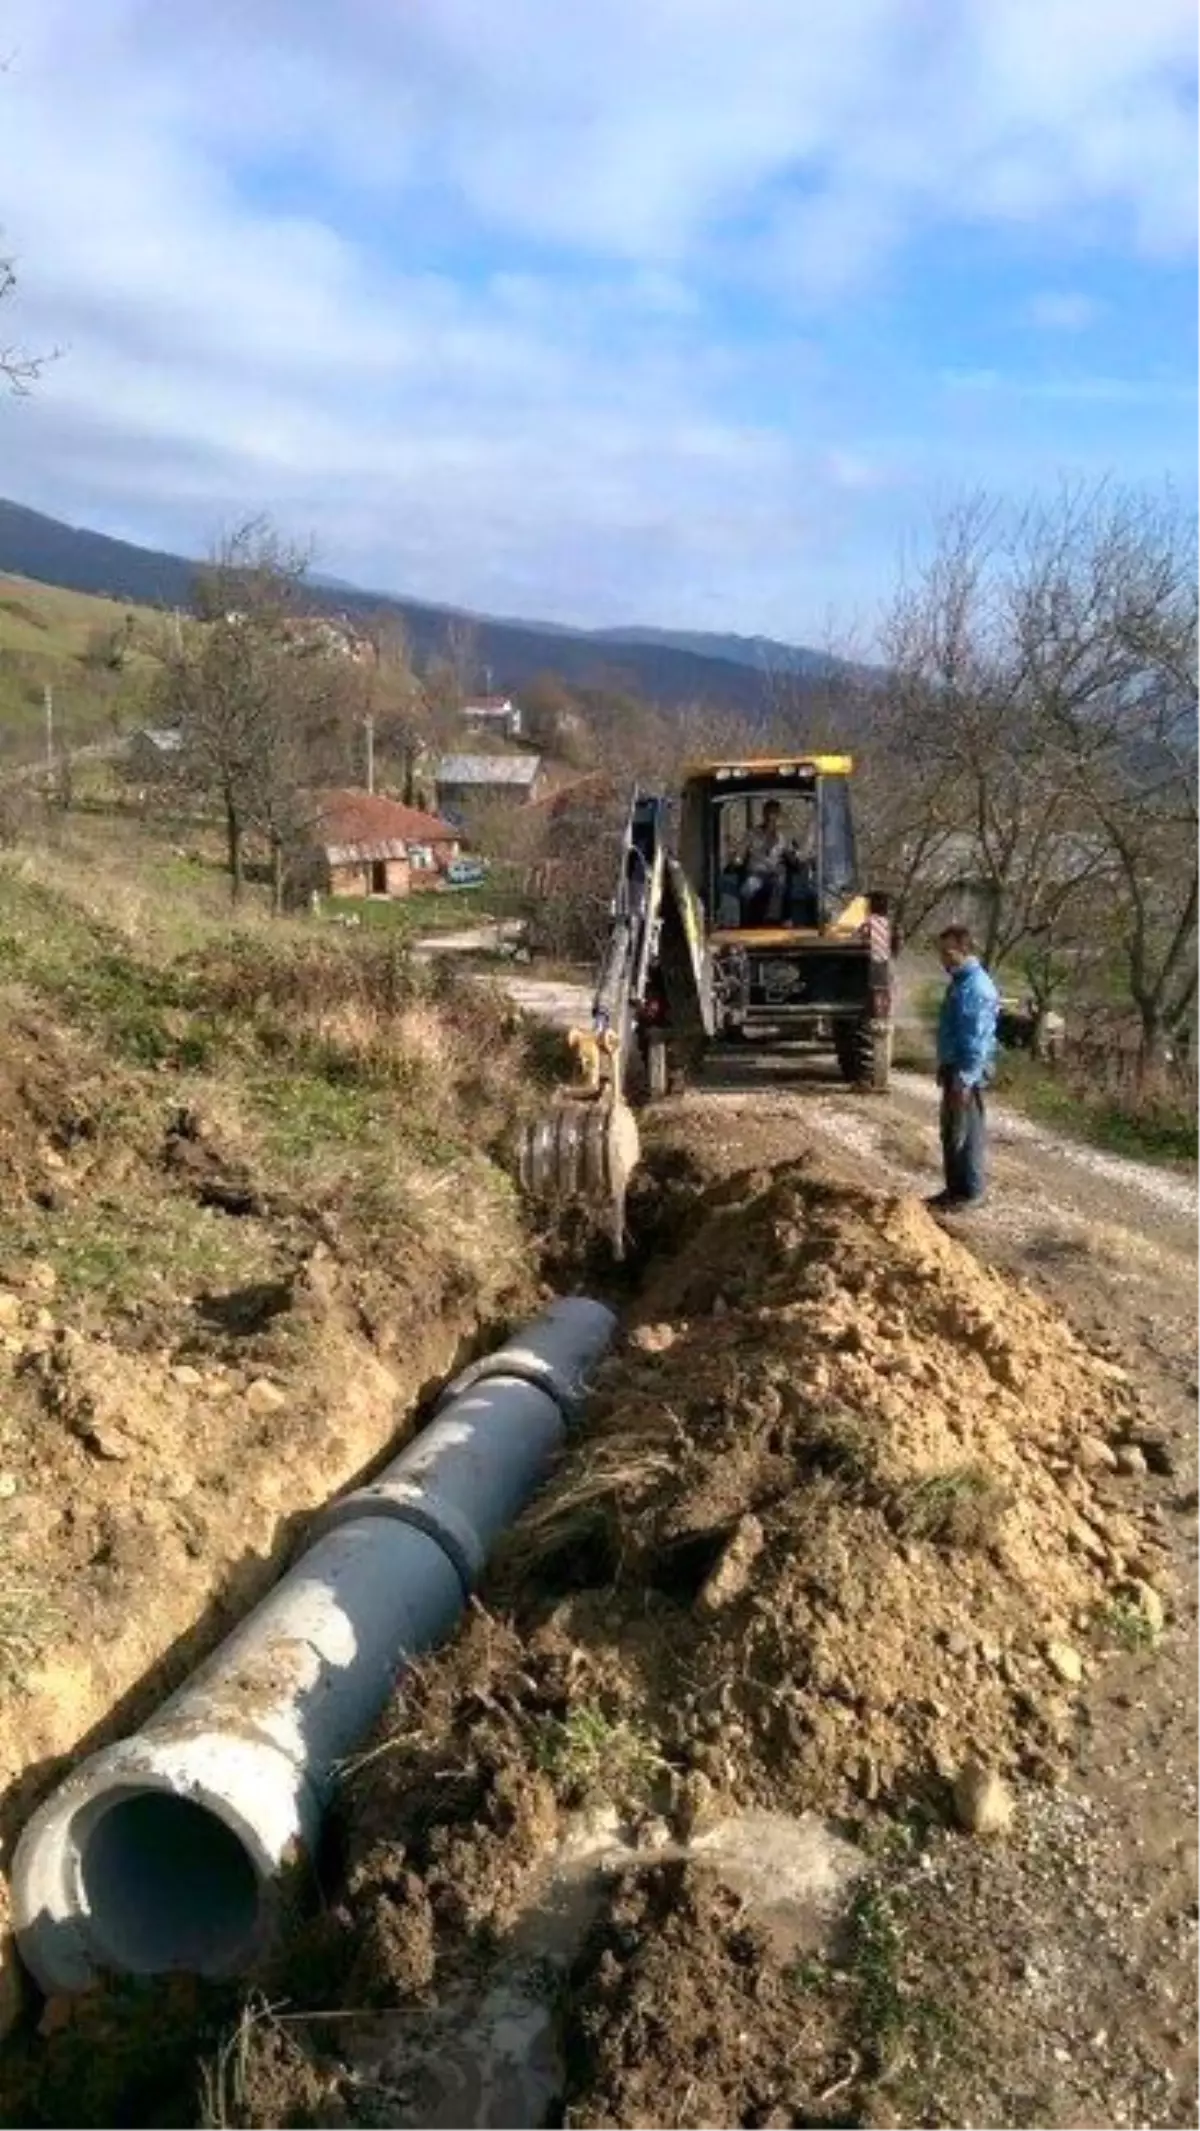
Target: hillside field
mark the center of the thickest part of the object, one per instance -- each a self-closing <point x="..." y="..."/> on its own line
<point x="48" y="635"/>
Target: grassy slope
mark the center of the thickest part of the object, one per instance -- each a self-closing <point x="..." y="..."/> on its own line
<point x="361" y="1099"/>
<point x="337" y="1066"/>
<point x="45" y="634"/>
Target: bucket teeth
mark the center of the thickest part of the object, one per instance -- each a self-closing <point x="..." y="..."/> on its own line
<point x="582" y="1153"/>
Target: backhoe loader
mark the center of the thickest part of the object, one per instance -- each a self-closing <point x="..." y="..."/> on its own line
<point x="750" y="928"/>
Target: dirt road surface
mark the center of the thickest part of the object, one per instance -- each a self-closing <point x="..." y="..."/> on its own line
<point x="1073" y="1949"/>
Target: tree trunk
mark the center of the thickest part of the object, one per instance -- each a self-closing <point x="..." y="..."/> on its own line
<point x="233" y="839"/>
<point x="1154" y="1037"/>
<point x="277" y="875"/>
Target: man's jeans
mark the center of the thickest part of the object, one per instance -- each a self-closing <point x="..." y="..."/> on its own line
<point x="964" y="1140"/>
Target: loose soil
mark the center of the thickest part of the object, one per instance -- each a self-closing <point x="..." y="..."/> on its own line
<point x="848" y="1515"/>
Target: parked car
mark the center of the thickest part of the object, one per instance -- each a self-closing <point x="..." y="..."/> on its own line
<point x="465" y="873"/>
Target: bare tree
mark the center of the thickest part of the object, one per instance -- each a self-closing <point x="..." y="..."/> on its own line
<point x="1037" y="739"/>
<point x="1108" y="617"/>
<point x="261" y="703"/>
<point x="968" y="788"/>
<point x="409" y="720"/>
<point x="451" y="674"/>
<point x="18" y="368"/>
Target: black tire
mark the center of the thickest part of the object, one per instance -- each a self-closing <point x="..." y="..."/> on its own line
<point x="864" y="1055"/>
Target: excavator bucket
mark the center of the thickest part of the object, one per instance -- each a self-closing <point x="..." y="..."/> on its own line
<point x="582" y="1152"/>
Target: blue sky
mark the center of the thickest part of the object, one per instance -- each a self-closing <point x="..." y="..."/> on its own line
<point x="683" y="311"/>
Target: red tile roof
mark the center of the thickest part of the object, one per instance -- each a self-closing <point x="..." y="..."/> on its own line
<point x="349" y="817"/>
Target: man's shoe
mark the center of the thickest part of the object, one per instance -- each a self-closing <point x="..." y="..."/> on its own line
<point x="940" y="1201"/>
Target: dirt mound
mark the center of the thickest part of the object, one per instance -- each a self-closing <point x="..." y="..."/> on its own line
<point x="858" y="1499"/>
<point x="846" y="1514"/>
<point x="682" y="2012"/>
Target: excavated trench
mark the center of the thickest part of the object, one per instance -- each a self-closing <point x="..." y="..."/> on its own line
<point x="822" y="1540"/>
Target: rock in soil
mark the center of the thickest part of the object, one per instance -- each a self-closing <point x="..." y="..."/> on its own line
<point x="983" y="1801"/>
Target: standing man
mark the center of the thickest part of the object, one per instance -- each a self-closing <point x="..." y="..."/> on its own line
<point x="966" y="1048"/>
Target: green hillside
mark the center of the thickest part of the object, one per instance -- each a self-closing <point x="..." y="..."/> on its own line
<point x="94" y="654"/>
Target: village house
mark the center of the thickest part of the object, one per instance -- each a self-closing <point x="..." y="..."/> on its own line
<point x="361" y="843"/>
<point x="463" y="781"/>
<point x="152" y="751"/>
<point x="493" y="714"/>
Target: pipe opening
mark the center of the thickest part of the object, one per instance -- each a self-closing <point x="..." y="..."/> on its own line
<point x="168" y="1886"/>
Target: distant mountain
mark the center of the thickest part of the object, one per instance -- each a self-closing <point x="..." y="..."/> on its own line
<point x="669" y="667"/>
<point x="764" y="653"/>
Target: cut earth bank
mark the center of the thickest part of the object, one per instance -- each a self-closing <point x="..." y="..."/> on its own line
<point x="253" y="1210"/>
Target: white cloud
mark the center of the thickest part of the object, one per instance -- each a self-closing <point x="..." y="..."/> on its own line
<point x="505" y="348"/>
<point x="1063" y="311"/>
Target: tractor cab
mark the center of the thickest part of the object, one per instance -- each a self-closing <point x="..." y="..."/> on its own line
<point x="768" y="845"/>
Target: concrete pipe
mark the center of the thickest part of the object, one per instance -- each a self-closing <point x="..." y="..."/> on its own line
<point x="184" y="1847"/>
<point x="468" y="1474"/>
<point x="557" y="1352"/>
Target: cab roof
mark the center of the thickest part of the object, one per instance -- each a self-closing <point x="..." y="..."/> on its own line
<point x="776" y="765"/>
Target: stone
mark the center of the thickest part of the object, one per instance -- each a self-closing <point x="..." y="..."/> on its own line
<point x="693" y="1803"/>
<point x="9" y="1485"/>
<point x="42" y="1277"/>
<point x="652" y="1338"/>
<point x="1095" y="1455"/>
<point x="187" y="1377"/>
<point x="653" y="1833"/>
<point x="10" y="1309"/>
<point x="729" y="1578"/>
<point x="1065" y="1661"/>
<point x="263" y="1396"/>
<point x="1131" y="1461"/>
<point x="958" y="1643"/>
<point x="982" y="1801"/>
<point x="1087" y="1537"/>
<point x="105" y="1440"/>
<point x="990" y="1650"/>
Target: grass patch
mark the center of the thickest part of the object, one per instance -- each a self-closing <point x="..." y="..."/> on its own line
<point x="28" y="1618"/>
<point x="1146" y="1127"/>
<point x="342" y="1071"/>
<point x="900" y="2031"/>
<point x="839" y="1445"/>
<point x="962" y="1507"/>
<point x="589" y="1756"/>
<point x="446" y="910"/>
<point x="1125" y="1624"/>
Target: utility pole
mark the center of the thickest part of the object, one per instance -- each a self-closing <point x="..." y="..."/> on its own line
<point x="369" y="722"/>
<point x="48" y="699"/>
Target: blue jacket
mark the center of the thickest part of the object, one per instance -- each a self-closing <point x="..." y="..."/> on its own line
<point x="967" y="1024"/>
